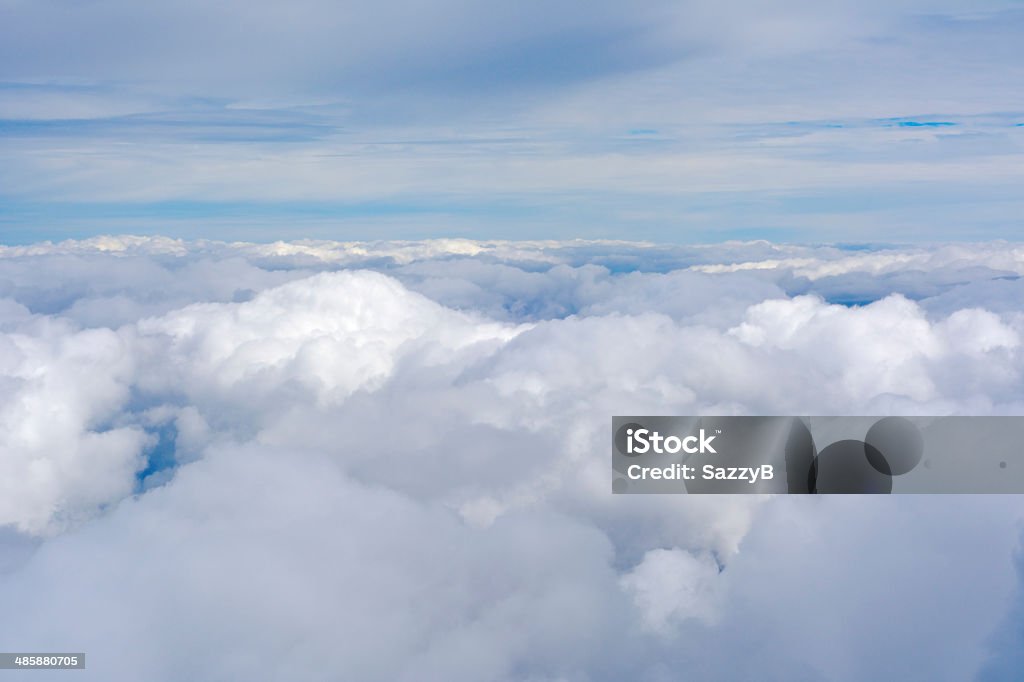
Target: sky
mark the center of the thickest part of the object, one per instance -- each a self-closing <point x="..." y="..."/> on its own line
<point x="313" y="316"/>
<point x="690" y="122"/>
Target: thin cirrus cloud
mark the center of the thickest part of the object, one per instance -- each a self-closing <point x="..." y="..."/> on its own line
<point x="361" y="46"/>
<point x="676" y="122"/>
<point x="208" y="429"/>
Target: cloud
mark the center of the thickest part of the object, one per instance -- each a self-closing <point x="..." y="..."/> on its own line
<point x="390" y="458"/>
<point x="319" y="45"/>
<point x="411" y="120"/>
<point x="670" y="586"/>
<point x="65" y="455"/>
<point x="280" y="560"/>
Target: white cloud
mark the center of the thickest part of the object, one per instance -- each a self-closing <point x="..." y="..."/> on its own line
<point x="332" y="333"/>
<point x="342" y="467"/>
<point x="64" y="454"/>
<point x="671" y="586"/>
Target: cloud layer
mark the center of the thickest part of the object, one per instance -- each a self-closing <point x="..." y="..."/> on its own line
<point x="674" y="121"/>
<point x="389" y="460"/>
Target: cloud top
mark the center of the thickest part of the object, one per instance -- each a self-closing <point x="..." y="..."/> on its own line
<point x="392" y="457"/>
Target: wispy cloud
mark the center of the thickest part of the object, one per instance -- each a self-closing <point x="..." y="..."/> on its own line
<point x="814" y="122"/>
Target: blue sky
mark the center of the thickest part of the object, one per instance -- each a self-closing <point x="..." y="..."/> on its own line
<point x="675" y="122"/>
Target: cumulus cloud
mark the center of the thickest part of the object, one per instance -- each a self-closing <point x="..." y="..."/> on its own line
<point x="391" y="458"/>
<point x="670" y="586"/>
<point x="65" y="454"/>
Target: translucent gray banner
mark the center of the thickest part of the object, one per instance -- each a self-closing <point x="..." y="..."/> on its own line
<point x="809" y="455"/>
